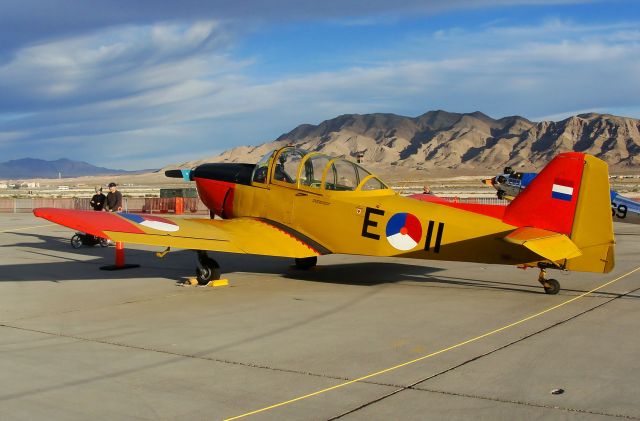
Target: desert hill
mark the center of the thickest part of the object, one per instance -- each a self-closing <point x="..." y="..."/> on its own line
<point x="468" y="143"/>
<point x="40" y="168"/>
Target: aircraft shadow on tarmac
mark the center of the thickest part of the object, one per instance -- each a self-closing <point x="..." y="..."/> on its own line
<point x="177" y="265"/>
<point x="375" y="273"/>
<point x="180" y="264"/>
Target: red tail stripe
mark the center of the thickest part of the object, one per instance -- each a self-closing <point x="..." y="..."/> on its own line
<point x="536" y="207"/>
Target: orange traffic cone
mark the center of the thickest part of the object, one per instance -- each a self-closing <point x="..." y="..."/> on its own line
<point x="120" y="264"/>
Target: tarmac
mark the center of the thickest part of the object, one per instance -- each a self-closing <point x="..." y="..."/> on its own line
<point x="357" y="338"/>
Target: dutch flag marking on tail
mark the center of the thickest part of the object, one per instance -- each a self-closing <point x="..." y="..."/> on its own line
<point x="562" y="189"/>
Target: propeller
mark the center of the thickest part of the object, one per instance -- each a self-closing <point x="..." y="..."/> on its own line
<point x="184" y="174"/>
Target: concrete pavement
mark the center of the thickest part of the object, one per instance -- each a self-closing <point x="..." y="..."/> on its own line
<point x="77" y="342"/>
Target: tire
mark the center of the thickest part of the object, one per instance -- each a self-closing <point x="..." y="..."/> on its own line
<point x="306" y="263"/>
<point x="554" y="287"/>
<point x="76" y="241"/>
<point x="208" y="271"/>
<point x="104" y="242"/>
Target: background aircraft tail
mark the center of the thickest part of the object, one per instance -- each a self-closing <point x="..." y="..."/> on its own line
<point x="571" y="196"/>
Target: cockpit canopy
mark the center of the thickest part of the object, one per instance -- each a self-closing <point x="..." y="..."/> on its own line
<point x="298" y="168"/>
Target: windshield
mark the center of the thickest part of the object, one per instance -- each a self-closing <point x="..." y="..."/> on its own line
<point x="262" y="167"/>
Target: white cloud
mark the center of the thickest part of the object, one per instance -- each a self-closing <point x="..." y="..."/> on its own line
<point x="153" y="93"/>
<point x="122" y="60"/>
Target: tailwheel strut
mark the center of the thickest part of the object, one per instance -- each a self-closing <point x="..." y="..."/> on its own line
<point x="551" y="286"/>
<point x="208" y="269"/>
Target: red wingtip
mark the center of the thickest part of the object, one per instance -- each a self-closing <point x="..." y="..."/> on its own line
<point x="91" y="222"/>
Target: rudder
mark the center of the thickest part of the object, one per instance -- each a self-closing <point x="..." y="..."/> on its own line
<point x="571" y="196"/>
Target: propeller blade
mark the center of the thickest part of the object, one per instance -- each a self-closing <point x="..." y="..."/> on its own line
<point x="184" y="174"/>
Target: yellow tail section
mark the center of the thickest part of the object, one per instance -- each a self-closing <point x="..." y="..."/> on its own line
<point x="592" y="228"/>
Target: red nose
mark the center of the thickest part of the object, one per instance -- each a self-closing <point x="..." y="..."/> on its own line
<point x="217" y="196"/>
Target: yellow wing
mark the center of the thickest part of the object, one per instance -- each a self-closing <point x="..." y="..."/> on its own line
<point x="241" y="235"/>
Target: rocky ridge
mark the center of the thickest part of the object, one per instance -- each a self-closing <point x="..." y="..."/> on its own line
<point x="459" y="141"/>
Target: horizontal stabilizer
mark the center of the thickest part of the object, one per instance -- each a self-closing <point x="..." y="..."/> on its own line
<point x="548" y="244"/>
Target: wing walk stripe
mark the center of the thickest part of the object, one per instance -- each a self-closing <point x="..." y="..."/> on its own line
<point x="313" y="245"/>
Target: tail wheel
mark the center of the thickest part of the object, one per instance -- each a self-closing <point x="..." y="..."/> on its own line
<point x="551" y="286"/>
<point x="306" y="263"/>
<point x="76" y="241"/>
<point x="207" y="271"/>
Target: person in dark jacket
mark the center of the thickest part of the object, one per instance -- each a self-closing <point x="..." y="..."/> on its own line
<point x="98" y="199"/>
<point x="114" y="199"/>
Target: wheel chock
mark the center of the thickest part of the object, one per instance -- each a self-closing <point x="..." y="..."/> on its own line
<point x="218" y="283"/>
<point x="194" y="282"/>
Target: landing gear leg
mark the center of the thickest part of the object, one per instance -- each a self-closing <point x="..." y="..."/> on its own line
<point x="208" y="269"/>
<point x="551" y="286"/>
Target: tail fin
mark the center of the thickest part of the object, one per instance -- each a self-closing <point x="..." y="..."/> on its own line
<point x="571" y="196"/>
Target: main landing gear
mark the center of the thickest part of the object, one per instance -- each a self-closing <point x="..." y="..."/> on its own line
<point x="551" y="286"/>
<point x="208" y="269"/>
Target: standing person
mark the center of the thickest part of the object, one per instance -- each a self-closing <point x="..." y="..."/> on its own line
<point x="98" y="199"/>
<point x="114" y="199"/>
<point x="426" y="189"/>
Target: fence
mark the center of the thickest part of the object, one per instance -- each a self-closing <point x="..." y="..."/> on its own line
<point x="130" y="204"/>
<point x="476" y="200"/>
<point x="179" y="205"/>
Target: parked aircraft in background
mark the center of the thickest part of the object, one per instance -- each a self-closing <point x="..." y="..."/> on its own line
<point x="509" y="184"/>
<point x="303" y="205"/>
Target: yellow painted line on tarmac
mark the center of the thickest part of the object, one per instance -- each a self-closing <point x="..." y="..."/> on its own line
<point x="27" y="228"/>
<point x="433" y="354"/>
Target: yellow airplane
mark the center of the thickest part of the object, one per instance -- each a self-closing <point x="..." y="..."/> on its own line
<point x="302" y="205"/>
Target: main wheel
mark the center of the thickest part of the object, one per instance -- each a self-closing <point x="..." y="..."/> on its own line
<point x="305" y="263"/>
<point x="208" y="271"/>
<point x="104" y="242"/>
<point x="76" y="241"/>
<point x="553" y="288"/>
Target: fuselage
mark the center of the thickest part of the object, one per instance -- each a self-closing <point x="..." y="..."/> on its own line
<point x="354" y="216"/>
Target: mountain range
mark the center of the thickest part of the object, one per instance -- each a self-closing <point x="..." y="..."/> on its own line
<point x="437" y="141"/>
<point x="461" y="141"/>
<point x="30" y="168"/>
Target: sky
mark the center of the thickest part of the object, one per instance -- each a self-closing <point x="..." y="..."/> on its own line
<point x="147" y="83"/>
